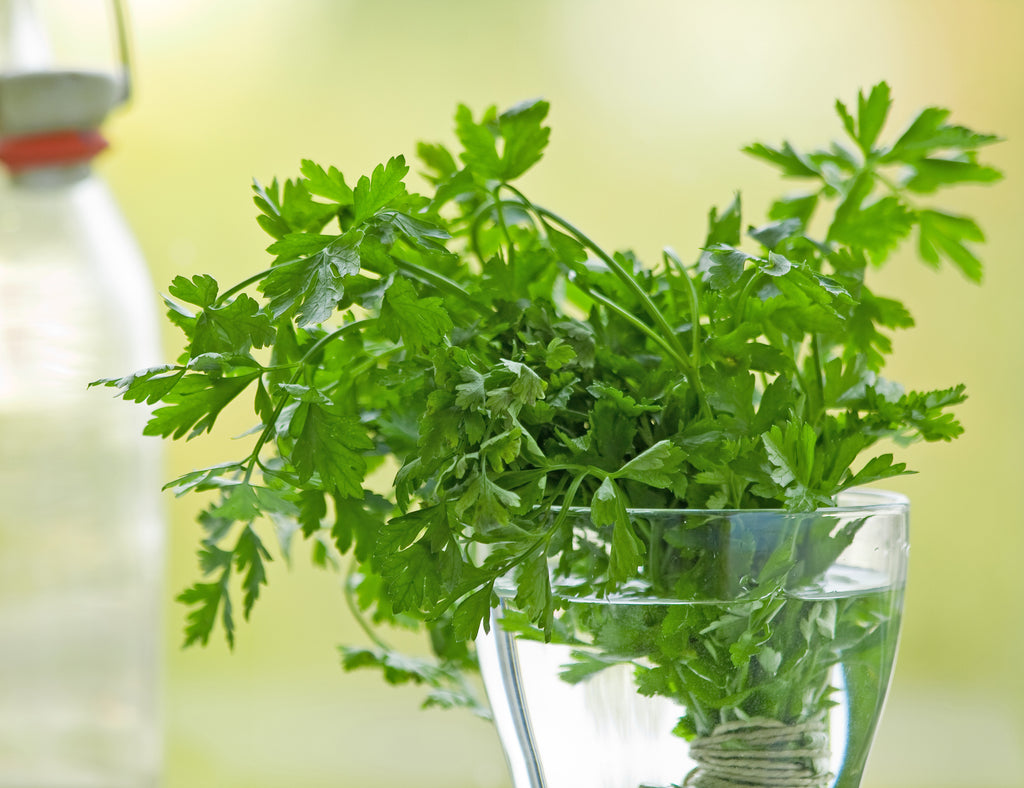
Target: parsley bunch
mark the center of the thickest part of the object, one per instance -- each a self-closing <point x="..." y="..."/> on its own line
<point x="500" y="367"/>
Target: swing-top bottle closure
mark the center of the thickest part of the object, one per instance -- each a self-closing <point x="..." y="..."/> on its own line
<point x="50" y="119"/>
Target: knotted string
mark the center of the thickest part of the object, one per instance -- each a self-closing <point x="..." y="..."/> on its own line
<point x="761" y="753"/>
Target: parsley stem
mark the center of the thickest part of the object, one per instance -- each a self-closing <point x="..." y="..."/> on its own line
<point x="353" y="606"/>
<point x="249" y="281"/>
<point x="545" y="538"/>
<point x="691" y="702"/>
<point x="481" y="215"/>
<point x="616" y="267"/>
<point x="356" y="372"/>
<point x="629" y="317"/>
<point x="511" y="261"/>
<point x="568" y="466"/>
<point x="570" y="496"/>
<point x="440" y="282"/>
<point x="544" y="214"/>
<point x="671" y="259"/>
<point x="888" y="183"/>
<point x="740" y="313"/>
<point x="667" y="339"/>
<point x="327" y="339"/>
<point x="254" y="456"/>
<point x="819" y="377"/>
<point x="654" y="542"/>
<point x="474" y="233"/>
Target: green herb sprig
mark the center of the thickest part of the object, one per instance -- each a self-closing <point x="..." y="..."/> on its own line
<point x="500" y="367"/>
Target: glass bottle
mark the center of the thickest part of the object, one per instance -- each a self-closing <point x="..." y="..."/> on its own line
<point x="80" y="524"/>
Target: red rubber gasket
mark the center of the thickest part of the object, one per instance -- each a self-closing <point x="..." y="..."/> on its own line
<point x="51" y="148"/>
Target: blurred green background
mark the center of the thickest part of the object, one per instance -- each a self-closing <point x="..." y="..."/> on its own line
<point x="651" y="102"/>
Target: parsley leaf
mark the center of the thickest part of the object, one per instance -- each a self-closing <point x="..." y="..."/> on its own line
<point x="313" y="284"/>
<point x="381" y="189"/>
<point x="942" y="235"/>
<point x="330" y="444"/>
<point x="419" y="322"/>
<point x="329" y="183"/>
<point x="193" y="405"/>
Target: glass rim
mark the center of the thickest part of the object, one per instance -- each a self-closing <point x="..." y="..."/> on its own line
<point x="877" y="502"/>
